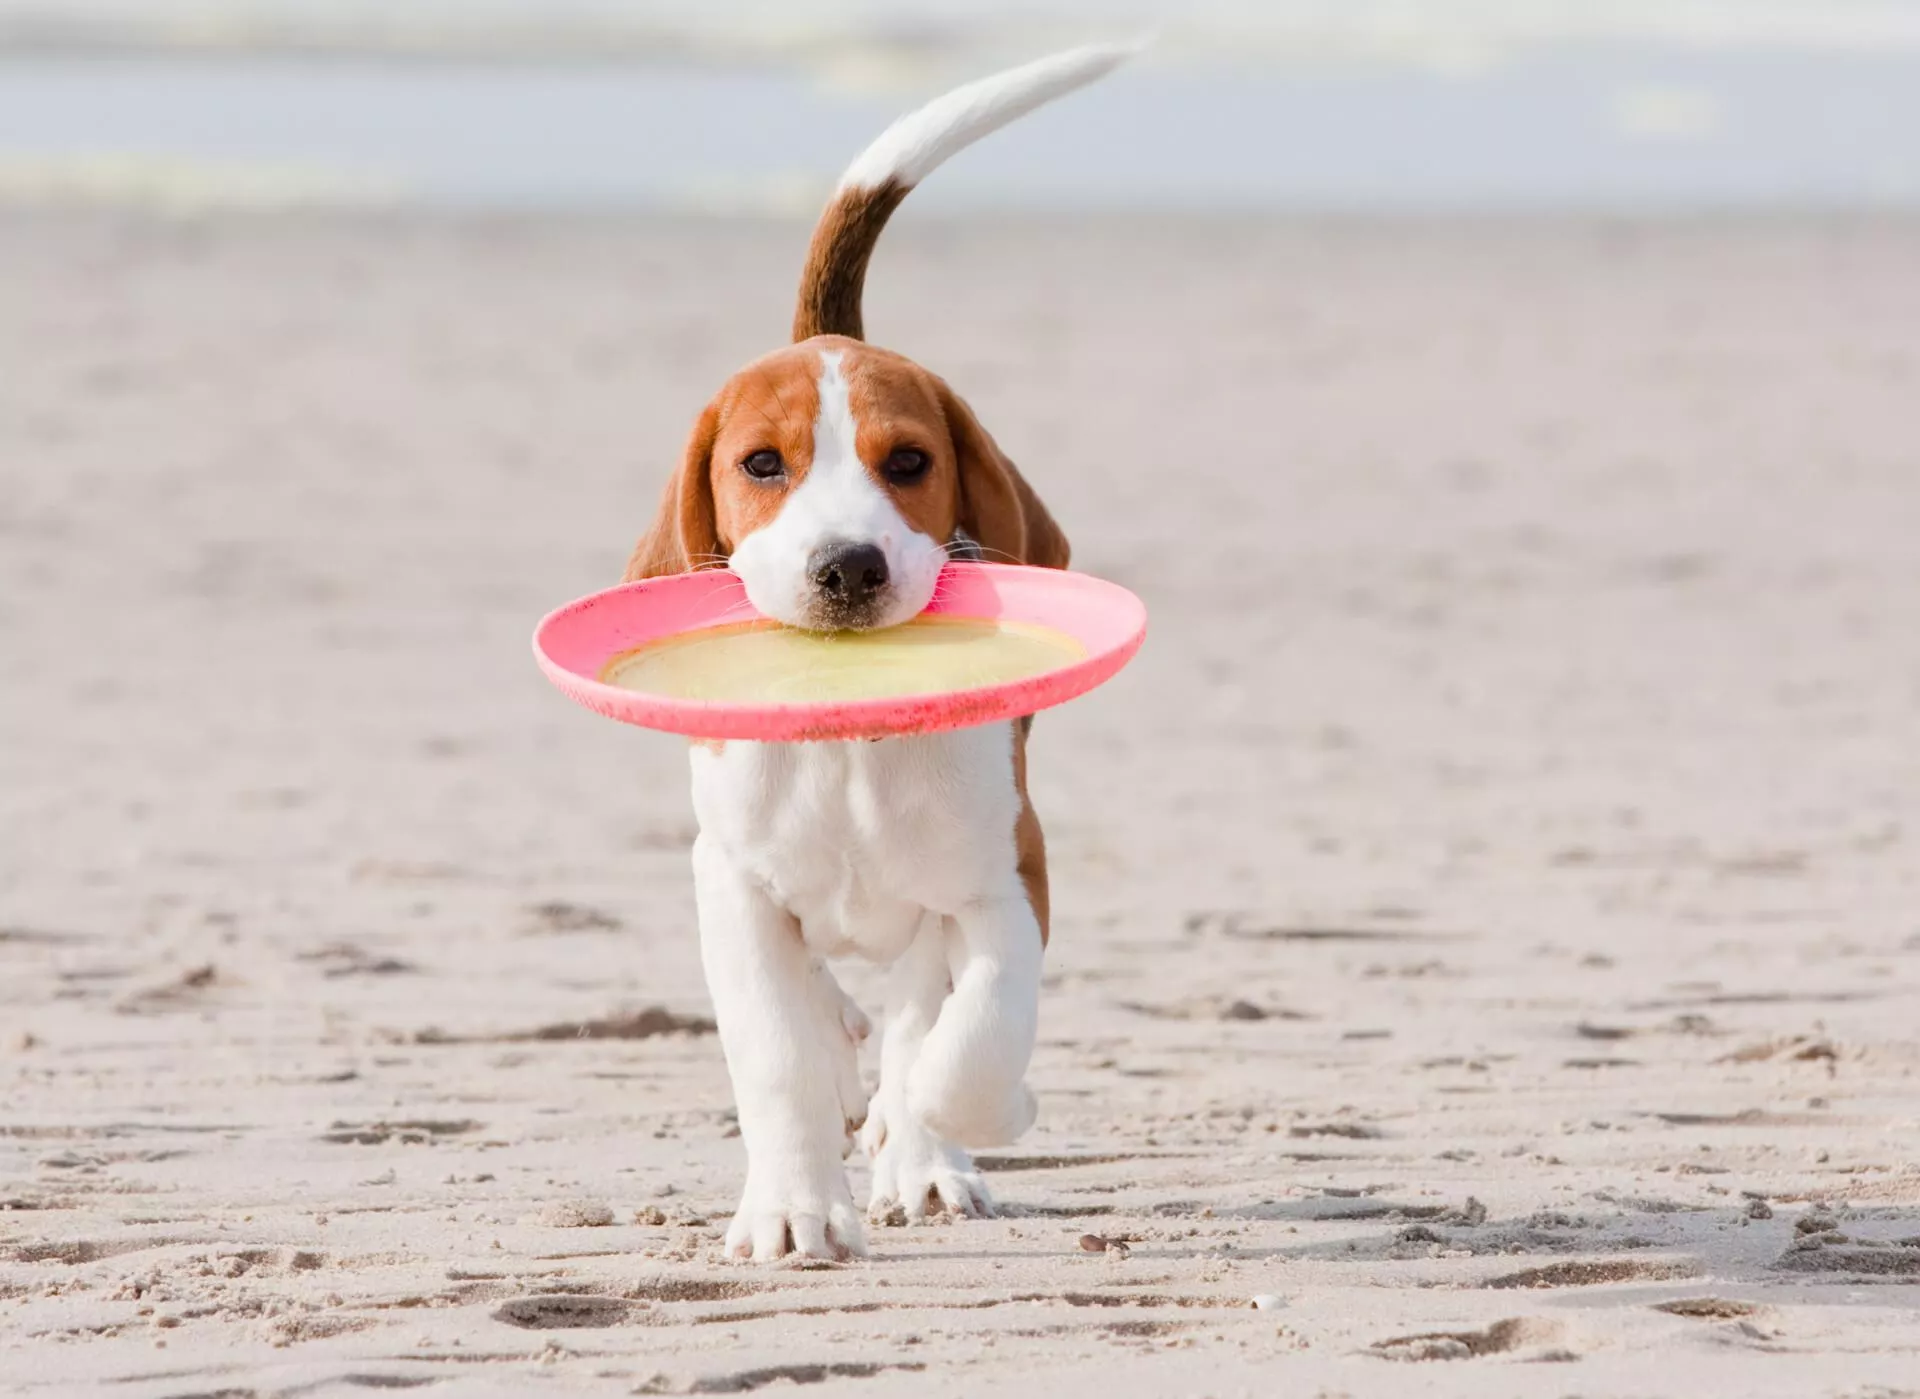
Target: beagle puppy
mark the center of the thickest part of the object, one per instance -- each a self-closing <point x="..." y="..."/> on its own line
<point x="836" y="479"/>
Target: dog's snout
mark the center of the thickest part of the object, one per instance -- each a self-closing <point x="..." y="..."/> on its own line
<point x="848" y="574"/>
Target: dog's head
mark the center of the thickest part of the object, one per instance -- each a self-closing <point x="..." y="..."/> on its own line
<point x="837" y="479"/>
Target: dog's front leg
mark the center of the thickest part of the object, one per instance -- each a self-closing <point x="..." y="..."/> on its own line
<point x="916" y="1172"/>
<point x="968" y="1081"/>
<point x="782" y="1054"/>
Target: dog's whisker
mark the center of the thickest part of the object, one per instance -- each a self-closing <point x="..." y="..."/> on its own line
<point x="973" y="551"/>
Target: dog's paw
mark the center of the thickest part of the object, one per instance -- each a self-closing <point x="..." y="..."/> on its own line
<point x="779" y="1216"/>
<point x="873" y="1132"/>
<point x="850" y="1028"/>
<point x="916" y="1176"/>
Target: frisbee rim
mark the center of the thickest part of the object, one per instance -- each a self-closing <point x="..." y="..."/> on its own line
<point x="1115" y="614"/>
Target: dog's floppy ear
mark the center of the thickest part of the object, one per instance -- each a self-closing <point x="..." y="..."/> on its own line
<point x="998" y="509"/>
<point x="684" y="535"/>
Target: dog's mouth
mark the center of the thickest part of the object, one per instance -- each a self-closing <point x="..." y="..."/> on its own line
<point x="838" y="617"/>
<point x="890" y="607"/>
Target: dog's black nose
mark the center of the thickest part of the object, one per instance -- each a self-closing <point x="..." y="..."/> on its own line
<point x="848" y="574"/>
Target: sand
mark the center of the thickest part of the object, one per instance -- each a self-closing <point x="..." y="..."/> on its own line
<point x="1487" y="914"/>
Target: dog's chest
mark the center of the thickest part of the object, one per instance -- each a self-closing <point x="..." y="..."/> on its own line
<point x="858" y="840"/>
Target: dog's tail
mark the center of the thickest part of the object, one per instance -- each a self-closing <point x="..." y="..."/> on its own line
<point x="906" y="153"/>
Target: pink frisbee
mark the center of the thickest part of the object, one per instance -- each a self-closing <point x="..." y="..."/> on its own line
<point x="629" y="653"/>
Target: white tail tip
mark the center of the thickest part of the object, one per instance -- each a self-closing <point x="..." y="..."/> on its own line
<point x="919" y="142"/>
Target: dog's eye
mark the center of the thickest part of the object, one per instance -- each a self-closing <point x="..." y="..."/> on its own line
<point x="907" y="464"/>
<point x="763" y="465"/>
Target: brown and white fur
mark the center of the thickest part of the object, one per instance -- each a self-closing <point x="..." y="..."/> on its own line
<point x="836" y="479"/>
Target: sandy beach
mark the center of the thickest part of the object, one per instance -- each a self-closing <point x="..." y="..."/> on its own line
<point x="1486" y="915"/>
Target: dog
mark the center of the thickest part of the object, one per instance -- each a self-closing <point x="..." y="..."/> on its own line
<point x="836" y="479"/>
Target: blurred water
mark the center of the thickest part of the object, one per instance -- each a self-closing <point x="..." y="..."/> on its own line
<point x="1607" y="126"/>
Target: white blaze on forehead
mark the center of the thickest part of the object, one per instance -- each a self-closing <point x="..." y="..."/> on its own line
<point x="838" y="501"/>
<point x="835" y="434"/>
